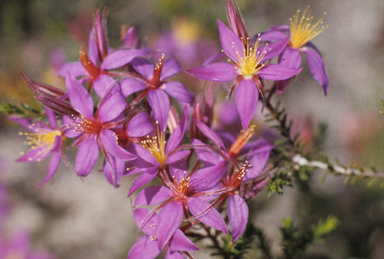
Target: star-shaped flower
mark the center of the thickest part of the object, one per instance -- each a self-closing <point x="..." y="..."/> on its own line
<point x="297" y="40"/>
<point x="245" y="66"/>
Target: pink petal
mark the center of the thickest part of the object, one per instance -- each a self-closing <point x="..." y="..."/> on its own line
<point x="144" y="248"/>
<point x="150" y="218"/>
<point x="140" y="125"/>
<point x="210" y="134"/>
<point x="317" y="67"/>
<point x="173" y="255"/>
<point x="211" y="217"/>
<point x="140" y="181"/>
<point x="219" y="72"/>
<point x="230" y="42"/>
<point x="180" y="242"/>
<point x="144" y="67"/>
<point x="51" y="117"/>
<point x="170" y="68"/>
<point x="74" y="68"/>
<point x="208" y="177"/>
<point x="54" y="163"/>
<point x="178" y="134"/>
<point x="238" y="215"/>
<point x="130" y="86"/>
<point x="246" y="97"/>
<point x="274" y="49"/>
<point x="35" y="155"/>
<point x="153" y="195"/>
<point x="93" y="52"/>
<point x="258" y="162"/>
<point x="207" y="156"/>
<point x="112" y="104"/>
<point x="176" y="157"/>
<point x="120" y="58"/>
<point x="113" y="170"/>
<point x="87" y="156"/>
<point x="102" y="83"/>
<point x="277" y="72"/>
<point x="170" y="218"/>
<point x="273" y="35"/>
<point x="160" y="104"/>
<point x="109" y="141"/>
<point x="178" y="91"/>
<point x="79" y="97"/>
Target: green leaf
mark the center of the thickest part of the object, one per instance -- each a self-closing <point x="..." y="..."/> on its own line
<point x="325" y="227"/>
<point x="23" y="110"/>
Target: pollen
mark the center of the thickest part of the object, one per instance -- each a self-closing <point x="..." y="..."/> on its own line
<point x="248" y="64"/>
<point x="239" y="175"/>
<point x="302" y="30"/>
<point x="85" y="125"/>
<point x="183" y="184"/>
<point x="155" y="82"/>
<point x="153" y="238"/>
<point x="156" y="145"/>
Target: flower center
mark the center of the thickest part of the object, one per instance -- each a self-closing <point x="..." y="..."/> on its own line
<point x="238" y="176"/>
<point x="248" y="64"/>
<point x="301" y="29"/>
<point x="85" y="125"/>
<point x="240" y="141"/>
<point x="183" y="184"/>
<point x="43" y="138"/>
<point x="156" y="145"/>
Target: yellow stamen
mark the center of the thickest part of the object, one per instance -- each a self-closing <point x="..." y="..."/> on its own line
<point x="248" y="64"/>
<point x="44" y="138"/>
<point x="183" y="184"/>
<point x="156" y="145"/>
<point x="301" y="29"/>
<point x="85" y="125"/>
<point x="240" y="174"/>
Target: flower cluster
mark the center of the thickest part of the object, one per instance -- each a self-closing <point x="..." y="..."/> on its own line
<point x="137" y="130"/>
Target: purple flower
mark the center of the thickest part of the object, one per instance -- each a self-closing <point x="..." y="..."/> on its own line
<point x="232" y="149"/>
<point x="131" y="132"/>
<point x="157" y="152"/>
<point x="151" y="82"/>
<point x="94" y="67"/>
<point x="186" y="190"/>
<point x="45" y="139"/>
<point x="148" y="223"/>
<point x="95" y="132"/>
<point x="296" y="39"/>
<point x="244" y="66"/>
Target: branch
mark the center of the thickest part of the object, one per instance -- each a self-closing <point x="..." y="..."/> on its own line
<point x="351" y="171"/>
